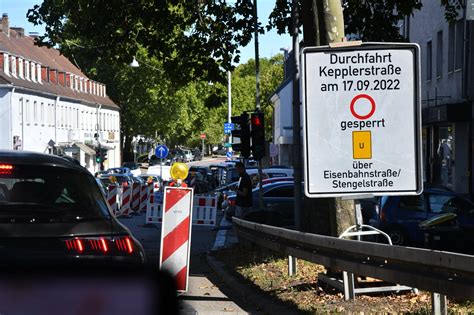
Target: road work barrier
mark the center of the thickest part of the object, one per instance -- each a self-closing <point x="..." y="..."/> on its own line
<point x="154" y="209"/>
<point x="112" y="198"/>
<point x="135" y="202"/>
<point x="204" y="209"/>
<point x="145" y="192"/>
<point x="126" y="199"/>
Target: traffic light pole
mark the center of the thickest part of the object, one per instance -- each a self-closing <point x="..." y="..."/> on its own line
<point x="257" y="98"/>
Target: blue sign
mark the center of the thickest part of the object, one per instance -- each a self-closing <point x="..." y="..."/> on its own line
<point x="161" y="151"/>
<point x="228" y="127"/>
<point x="229" y="154"/>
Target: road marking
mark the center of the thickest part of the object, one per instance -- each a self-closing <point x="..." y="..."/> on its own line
<point x="221" y="235"/>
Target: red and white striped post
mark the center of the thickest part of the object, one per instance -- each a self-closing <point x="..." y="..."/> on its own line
<point x="144" y="193"/>
<point x="176" y="234"/>
<point x="135" y="203"/>
<point x="112" y="198"/>
<point x="126" y="198"/>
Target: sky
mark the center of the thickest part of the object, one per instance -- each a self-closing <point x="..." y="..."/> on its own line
<point x="269" y="43"/>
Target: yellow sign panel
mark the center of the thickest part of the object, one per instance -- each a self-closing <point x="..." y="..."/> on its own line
<point x="362" y="144"/>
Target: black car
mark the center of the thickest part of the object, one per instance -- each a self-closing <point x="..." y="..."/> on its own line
<point x="51" y="210"/>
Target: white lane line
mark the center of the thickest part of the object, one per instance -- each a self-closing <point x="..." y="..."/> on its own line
<point x="221" y="235"/>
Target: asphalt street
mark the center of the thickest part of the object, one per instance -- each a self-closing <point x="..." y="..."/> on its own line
<point x="206" y="294"/>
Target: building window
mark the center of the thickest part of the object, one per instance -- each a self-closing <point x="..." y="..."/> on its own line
<point x="42" y="114"/>
<point x="20" y="111"/>
<point x="459" y="45"/>
<point x="35" y="112"/>
<point x="27" y="70"/>
<point x="439" y="54"/>
<point x="27" y="112"/>
<point x="429" y="61"/>
<point x="451" y="46"/>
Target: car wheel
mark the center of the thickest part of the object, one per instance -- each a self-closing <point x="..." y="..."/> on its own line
<point x="398" y="236"/>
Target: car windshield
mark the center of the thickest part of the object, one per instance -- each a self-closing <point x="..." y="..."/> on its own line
<point x="61" y="193"/>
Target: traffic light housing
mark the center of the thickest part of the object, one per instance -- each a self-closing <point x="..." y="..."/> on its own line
<point x="258" y="135"/>
<point x="98" y="155"/>
<point x="241" y="131"/>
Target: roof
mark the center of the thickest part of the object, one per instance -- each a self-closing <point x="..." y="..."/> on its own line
<point x="19" y="45"/>
<point x="35" y="158"/>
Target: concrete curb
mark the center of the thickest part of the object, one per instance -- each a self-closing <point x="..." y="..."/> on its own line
<point x="265" y="303"/>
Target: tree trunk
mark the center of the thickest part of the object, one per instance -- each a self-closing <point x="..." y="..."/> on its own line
<point x="323" y="23"/>
<point x="127" y="154"/>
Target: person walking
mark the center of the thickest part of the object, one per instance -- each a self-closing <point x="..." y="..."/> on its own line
<point x="243" y="200"/>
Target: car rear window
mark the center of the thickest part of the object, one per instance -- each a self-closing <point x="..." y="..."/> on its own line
<point x="27" y="189"/>
<point x="413" y="203"/>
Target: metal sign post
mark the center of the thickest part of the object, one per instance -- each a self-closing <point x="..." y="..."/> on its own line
<point x="362" y="120"/>
<point x="161" y="152"/>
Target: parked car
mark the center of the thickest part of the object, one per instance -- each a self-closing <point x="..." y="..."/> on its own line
<point x="197" y="155"/>
<point x="155" y="179"/>
<point x="400" y="216"/>
<point x="278" y="201"/>
<point x="133" y="167"/>
<point x="67" y="217"/>
<point x="188" y="155"/>
<point x="119" y="179"/>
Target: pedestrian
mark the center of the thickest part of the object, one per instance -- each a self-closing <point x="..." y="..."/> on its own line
<point x="243" y="200"/>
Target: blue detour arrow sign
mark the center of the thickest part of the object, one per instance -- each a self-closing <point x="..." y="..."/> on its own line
<point x="161" y="151"/>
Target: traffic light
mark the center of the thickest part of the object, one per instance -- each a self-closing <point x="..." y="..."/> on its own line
<point x="258" y="135"/>
<point x="98" y="155"/>
<point x="241" y="131"/>
<point x="103" y="155"/>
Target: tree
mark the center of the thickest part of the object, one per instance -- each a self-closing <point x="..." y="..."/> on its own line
<point x="192" y="39"/>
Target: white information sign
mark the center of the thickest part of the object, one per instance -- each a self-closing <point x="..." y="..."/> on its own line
<point x="362" y="120"/>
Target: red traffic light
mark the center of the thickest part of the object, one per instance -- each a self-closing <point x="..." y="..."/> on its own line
<point x="257" y="120"/>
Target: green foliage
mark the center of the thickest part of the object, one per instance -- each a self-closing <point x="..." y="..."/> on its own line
<point x="191" y="39"/>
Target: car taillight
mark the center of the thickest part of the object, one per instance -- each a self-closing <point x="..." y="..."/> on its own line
<point x="6" y="168"/>
<point x="100" y="245"/>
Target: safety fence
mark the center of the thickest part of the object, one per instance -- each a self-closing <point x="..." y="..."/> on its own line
<point x="445" y="273"/>
<point x="125" y="200"/>
<point x="204" y="209"/>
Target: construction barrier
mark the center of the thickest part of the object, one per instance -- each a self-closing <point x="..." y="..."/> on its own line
<point x="112" y="198"/>
<point x="126" y="200"/>
<point x="135" y="202"/>
<point x="154" y="208"/>
<point x="204" y="209"/>
<point x="145" y="192"/>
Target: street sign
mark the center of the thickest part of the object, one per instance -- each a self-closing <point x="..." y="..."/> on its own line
<point x="203" y="136"/>
<point x="227" y="145"/>
<point x="161" y="151"/>
<point x="229" y="154"/>
<point x="362" y="120"/>
<point x="176" y="234"/>
<point x="228" y="127"/>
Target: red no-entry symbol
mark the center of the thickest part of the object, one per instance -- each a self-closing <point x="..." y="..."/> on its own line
<point x="372" y="106"/>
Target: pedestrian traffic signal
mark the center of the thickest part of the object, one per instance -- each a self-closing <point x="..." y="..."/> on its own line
<point x="258" y="135"/>
<point x="98" y="155"/>
<point x="242" y="132"/>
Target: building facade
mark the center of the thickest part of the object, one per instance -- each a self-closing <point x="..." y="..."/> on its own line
<point x="48" y="105"/>
<point x="446" y="82"/>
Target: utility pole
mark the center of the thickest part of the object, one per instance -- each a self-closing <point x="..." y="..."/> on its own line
<point x="297" y="171"/>
<point x="229" y="105"/>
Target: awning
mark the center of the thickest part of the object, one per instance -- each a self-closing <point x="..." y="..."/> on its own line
<point x="85" y="148"/>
